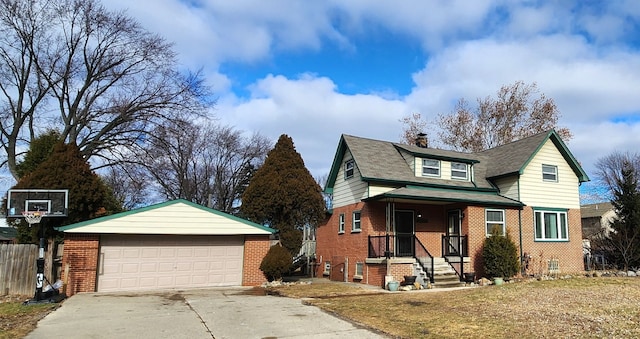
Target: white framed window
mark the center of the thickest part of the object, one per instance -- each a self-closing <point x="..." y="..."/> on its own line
<point x="355" y="226"/>
<point x="341" y="223"/>
<point x="431" y="167"/>
<point x="349" y="169"/>
<point x="494" y="218"/>
<point x="551" y="225"/>
<point x="459" y="171"/>
<point x="359" y="270"/>
<point x="549" y="173"/>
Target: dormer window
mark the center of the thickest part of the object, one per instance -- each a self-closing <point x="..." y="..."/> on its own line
<point x="431" y="167"/>
<point x="459" y="171"/>
<point x="349" y="168"/>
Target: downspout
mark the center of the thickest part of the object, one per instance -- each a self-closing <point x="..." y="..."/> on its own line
<point x="520" y="232"/>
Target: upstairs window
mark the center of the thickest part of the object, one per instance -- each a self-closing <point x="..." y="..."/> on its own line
<point x="459" y="171"/>
<point x="431" y="167"/>
<point x="549" y="173"/>
<point x="349" y="168"/>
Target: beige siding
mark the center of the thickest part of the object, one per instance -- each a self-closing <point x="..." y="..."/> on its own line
<point x="376" y="190"/>
<point x="508" y="187"/>
<point x="349" y="191"/>
<point x="539" y="193"/>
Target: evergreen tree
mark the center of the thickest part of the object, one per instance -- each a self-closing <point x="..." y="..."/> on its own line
<point x="625" y="237"/>
<point x="283" y="195"/>
<point x="500" y="256"/>
<point x="66" y="168"/>
<point x="39" y="150"/>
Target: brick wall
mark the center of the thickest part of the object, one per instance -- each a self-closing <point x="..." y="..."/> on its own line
<point x="81" y="254"/>
<point x="569" y="253"/>
<point x="255" y="248"/>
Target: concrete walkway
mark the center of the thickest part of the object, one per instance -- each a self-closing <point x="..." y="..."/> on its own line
<point x="206" y="313"/>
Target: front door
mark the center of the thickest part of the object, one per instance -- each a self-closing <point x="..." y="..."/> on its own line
<point x="404" y="233"/>
<point x="453" y="242"/>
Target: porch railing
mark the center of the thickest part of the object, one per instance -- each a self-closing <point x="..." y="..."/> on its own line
<point x="455" y="246"/>
<point x="402" y="245"/>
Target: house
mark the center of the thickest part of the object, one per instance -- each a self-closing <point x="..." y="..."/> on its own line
<point x="176" y="244"/>
<point x="596" y="217"/>
<point x="400" y="210"/>
<point x="8" y="235"/>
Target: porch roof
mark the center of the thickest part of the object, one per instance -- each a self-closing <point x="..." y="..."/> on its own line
<point x="446" y="196"/>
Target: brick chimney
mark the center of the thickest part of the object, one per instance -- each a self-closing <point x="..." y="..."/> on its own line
<point x="421" y="140"/>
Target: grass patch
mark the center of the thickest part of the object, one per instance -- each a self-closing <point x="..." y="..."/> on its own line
<point x="17" y="320"/>
<point x="578" y="307"/>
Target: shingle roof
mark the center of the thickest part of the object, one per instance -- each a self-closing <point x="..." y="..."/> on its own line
<point x="595" y="210"/>
<point x="512" y="157"/>
<point x="444" y="195"/>
<point x="383" y="160"/>
<point x="8" y="233"/>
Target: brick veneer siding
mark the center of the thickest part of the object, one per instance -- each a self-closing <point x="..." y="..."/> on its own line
<point x="81" y="254"/>
<point x="569" y="253"/>
<point x="255" y="248"/>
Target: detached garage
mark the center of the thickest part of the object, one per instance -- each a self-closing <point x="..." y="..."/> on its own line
<point x="173" y="245"/>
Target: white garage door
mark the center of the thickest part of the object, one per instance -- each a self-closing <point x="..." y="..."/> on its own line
<point x="145" y="262"/>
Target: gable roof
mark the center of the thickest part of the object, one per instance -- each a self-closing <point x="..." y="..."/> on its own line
<point x="595" y="210"/>
<point x="446" y="196"/>
<point x="171" y="217"/>
<point x="512" y="158"/>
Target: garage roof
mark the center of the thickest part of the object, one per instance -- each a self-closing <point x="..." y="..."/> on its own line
<point x="171" y="217"/>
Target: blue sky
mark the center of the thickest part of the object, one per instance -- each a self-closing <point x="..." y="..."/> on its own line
<point x="317" y="69"/>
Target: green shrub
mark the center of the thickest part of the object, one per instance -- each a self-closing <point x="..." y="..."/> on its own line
<point x="500" y="256"/>
<point x="277" y="262"/>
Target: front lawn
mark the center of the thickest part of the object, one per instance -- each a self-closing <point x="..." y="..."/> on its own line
<point x="578" y="307"/>
<point x="17" y="320"/>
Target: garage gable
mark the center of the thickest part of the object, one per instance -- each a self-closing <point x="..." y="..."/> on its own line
<point x="179" y="217"/>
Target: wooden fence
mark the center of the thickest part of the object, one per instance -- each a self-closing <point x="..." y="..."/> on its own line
<point x="18" y="268"/>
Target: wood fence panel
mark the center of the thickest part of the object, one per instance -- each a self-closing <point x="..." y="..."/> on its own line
<point x="18" y="268"/>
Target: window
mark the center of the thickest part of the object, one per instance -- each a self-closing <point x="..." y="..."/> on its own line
<point x="549" y="173"/>
<point x="431" y="167"/>
<point x="551" y="225"/>
<point x="359" y="270"/>
<point x="458" y="170"/>
<point x="355" y="227"/>
<point x="495" y="218"/>
<point x="341" y="224"/>
<point x="348" y="169"/>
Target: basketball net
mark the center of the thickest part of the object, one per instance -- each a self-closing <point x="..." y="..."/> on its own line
<point x="33" y="217"/>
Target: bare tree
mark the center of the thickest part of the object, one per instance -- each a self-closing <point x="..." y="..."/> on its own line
<point x="209" y="165"/>
<point x="518" y="111"/>
<point x="620" y="173"/>
<point x="109" y="81"/>
<point x="412" y="126"/>
<point x="127" y="183"/>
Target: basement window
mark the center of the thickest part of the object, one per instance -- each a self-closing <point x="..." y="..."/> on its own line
<point x="359" y="271"/>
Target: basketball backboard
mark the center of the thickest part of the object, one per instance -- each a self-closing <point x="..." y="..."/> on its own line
<point x="53" y="202"/>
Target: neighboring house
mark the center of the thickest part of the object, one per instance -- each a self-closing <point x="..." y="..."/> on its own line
<point x="596" y="217"/>
<point x="176" y="244"/>
<point x="424" y="208"/>
<point x="8" y="234"/>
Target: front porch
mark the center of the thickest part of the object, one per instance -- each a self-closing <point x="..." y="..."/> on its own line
<point x="407" y="249"/>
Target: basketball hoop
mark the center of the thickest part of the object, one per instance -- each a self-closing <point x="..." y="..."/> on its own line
<point x="33" y="217"/>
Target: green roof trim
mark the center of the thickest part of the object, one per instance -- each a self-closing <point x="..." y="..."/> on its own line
<point x="427" y="155"/>
<point x="566" y="154"/>
<point x="161" y="205"/>
<point x="470" y="197"/>
<point x="335" y="165"/>
<point x="413" y="184"/>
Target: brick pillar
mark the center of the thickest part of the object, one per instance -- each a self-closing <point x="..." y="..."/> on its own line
<point x="255" y="248"/>
<point x="81" y="255"/>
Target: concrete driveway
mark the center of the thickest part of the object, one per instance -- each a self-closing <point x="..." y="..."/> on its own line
<point x="205" y="313"/>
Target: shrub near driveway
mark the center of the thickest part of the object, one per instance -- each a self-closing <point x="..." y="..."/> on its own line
<point x="578" y="307"/>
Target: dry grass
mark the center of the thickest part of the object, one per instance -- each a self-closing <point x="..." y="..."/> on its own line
<point x="17" y="320"/>
<point x="578" y="307"/>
